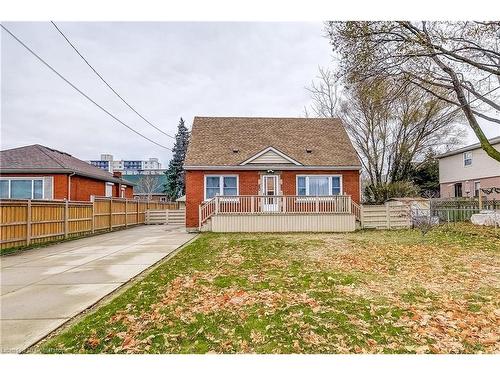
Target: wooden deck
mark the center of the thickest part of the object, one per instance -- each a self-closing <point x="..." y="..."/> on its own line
<point x="253" y="213"/>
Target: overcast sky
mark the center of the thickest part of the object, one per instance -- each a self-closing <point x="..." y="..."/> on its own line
<point x="165" y="70"/>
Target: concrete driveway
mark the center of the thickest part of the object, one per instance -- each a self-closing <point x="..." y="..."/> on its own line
<point x="43" y="288"/>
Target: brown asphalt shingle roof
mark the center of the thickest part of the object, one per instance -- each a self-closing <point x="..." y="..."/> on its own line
<point x="41" y="159"/>
<point x="214" y="138"/>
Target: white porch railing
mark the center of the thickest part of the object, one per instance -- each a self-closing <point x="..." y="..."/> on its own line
<point x="292" y="204"/>
<point x="356" y="210"/>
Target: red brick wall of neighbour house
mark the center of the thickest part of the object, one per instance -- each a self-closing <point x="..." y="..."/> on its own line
<point x="60" y="182"/>
<point x="83" y="187"/>
<point x="249" y="184"/>
<point x="129" y="192"/>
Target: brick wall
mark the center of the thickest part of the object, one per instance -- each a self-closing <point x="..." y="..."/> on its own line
<point x="60" y="187"/>
<point x="117" y="191"/>
<point x="249" y="184"/>
<point x="129" y="192"/>
<point x="81" y="187"/>
<point x="350" y="181"/>
<point x="195" y="184"/>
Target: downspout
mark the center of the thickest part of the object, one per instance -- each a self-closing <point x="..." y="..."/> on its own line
<point x="69" y="185"/>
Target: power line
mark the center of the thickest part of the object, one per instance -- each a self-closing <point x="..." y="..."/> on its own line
<point x="80" y="91"/>
<point x="106" y="83"/>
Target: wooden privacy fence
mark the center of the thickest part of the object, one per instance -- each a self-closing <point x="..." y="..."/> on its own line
<point x="385" y="216"/>
<point x="27" y="222"/>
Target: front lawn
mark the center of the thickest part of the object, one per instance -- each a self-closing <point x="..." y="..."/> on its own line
<point x="363" y="292"/>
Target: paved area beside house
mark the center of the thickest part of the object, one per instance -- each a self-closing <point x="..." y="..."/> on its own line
<point x="43" y="288"/>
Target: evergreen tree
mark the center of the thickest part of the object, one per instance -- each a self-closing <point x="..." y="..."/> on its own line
<point x="426" y="176"/>
<point x="175" y="186"/>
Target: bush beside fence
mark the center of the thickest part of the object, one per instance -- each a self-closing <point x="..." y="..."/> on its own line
<point x="28" y="222"/>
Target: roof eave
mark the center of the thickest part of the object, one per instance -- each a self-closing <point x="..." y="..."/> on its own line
<point x="64" y="171"/>
<point x="493" y="141"/>
<point x="273" y="166"/>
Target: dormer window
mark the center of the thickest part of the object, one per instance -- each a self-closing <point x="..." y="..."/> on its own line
<point x="235" y="150"/>
<point x="308" y="150"/>
<point x="467" y="158"/>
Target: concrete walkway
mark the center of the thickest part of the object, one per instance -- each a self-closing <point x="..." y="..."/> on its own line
<point x="43" y="288"/>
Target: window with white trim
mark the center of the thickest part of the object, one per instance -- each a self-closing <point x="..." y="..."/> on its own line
<point x="21" y="188"/>
<point x="320" y="185"/>
<point x="109" y="189"/>
<point x="467" y="158"/>
<point x="220" y="185"/>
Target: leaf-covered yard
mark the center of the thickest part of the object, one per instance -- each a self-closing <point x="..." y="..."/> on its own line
<point x="364" y="292"/>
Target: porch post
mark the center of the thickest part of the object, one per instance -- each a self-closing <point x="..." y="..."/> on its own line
<point x="317" y="204"/>
<point x="252" y="203"/>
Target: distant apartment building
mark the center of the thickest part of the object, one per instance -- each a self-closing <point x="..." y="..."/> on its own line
<point x="464" y="171"/>
<point x="128" y="167"/>
<point x="139" y="173"/>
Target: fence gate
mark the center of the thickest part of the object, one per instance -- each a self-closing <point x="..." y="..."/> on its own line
<point x="385" y="216"/>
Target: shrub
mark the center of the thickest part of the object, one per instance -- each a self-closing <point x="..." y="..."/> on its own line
<point x="378" y="194"/>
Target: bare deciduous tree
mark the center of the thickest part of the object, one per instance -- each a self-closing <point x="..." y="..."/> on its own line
<point x="456" y="62"/>
<point x="150" y="184"/>
<point x="324" y="94"/>
<point x="391" y="125"/>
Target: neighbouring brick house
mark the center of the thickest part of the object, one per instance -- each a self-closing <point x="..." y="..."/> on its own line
<point x="275" y="165"/>
<point x="464" y="171"/>
<point x="39" y="172"/>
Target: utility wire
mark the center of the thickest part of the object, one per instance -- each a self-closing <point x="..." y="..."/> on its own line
<point x="80" y="91"/>
<point x="106" y="83"/>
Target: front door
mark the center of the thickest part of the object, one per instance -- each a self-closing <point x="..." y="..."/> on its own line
<point x="270" y="191"/>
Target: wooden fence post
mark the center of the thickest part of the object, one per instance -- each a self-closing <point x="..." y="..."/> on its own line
<point x="137" y="213"/>
<point x="126" y="213"/>
<point x="388" y="216"/>
<point x="110" y="214"/>
<point x="66" y="216"/>
<point x="92" y="198"/>
<point x="28" y="222"/>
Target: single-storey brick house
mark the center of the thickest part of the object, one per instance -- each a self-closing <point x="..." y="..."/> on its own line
<point x="39" y="172"/>
<point x="275" y="166"/>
